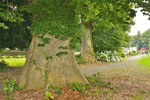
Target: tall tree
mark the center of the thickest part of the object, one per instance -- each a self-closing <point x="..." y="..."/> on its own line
<point x="141" y="40"/>
<point x="50" y="60"/>
<point x="94" y="11"/>
<point x="146" y="39"/>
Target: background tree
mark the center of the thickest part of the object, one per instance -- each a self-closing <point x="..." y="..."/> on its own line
<point x="14" y="25"/>
<point x="146" y="39"/>
<point x="141" y="40"/>
<point x="109" y="38"/>
<point x="104" y="17"/>
<point x="95" y="12"/>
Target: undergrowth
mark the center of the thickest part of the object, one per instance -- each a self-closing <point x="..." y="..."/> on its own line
<point x="9" y="87"/>
<point x="3" y="66"/>
<point x="80" y="60"/>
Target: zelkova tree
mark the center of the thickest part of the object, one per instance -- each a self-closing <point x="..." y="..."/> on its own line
<point x="93" y="12"/>
<point x="50" y="60"/>
<point x="88" y="10"/>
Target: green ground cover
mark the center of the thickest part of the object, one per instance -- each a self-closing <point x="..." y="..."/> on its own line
<point x="144" y="61"/>
<point x="14" y="62"/>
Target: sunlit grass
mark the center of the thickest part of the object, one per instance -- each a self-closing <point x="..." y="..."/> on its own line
<point x="144" y="61"/>
<point x="14" y="62"/>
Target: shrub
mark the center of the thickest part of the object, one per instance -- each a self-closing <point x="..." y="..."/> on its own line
<point x="121" y="53"/>
<point x="3" y="66"/>
<point x="108" y="56"/>
<point x="134" y="53"/>
<point x="2" y="50"/>
<point x="9" y="87"/>
<point x="131" y="53"/>
<point x="80" y="60"/>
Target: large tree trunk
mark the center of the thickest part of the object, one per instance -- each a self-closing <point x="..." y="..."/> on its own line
<point x="39" y="73"/>
<point x="87" y="51"/>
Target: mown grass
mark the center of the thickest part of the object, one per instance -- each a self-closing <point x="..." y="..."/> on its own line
<point x="14" y="62"/>
<point x="144" y="61"/>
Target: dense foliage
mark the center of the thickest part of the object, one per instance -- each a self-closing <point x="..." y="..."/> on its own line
<point x="110" y="20"/>
<point x="115" y="15"/>
<point x="14" y="25"/>
<point x="9" y="87"/>
<point x="146" y="39"/>
<point x="17" y="36"/>
<point x="54" y="17"/>
<point x="11" y="12"/>
<point x="3" y="66"/>
<point x="109" y="38"/>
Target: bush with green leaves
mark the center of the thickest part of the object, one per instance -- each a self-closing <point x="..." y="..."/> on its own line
<point x="9" y="87"/>
<point x="134" y="53"/>
<point x="108" y="56"/>
<point x="121" y="53"/>
<point x="3" y="66"/>
<point x="130" y="53"/>
<point x="80" y="60"/>
<point x="2" y="51"/>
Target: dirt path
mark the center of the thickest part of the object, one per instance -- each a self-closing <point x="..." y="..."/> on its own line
<point x="132" y="80"/>
<point x="129" y="63"/>
<point x="124" y="80"/>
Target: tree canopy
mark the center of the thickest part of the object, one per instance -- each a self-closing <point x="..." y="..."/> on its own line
<point x="14" y="25"/>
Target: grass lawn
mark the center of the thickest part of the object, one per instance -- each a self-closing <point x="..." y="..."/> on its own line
<point x="144" y="61"/>
<point x="14" y="62"/>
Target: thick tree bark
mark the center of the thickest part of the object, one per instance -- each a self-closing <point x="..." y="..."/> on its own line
<point x="39" y="73"/>
<point x="87" y="51"/>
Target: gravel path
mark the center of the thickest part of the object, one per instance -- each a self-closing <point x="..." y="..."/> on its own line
<point x="131" y="80"/>
<point x="128" y="63"/>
